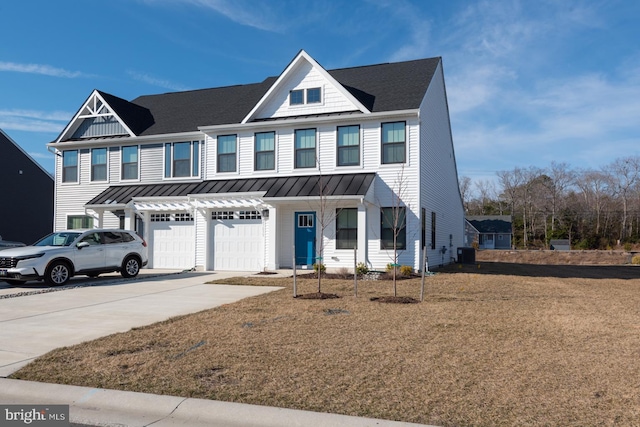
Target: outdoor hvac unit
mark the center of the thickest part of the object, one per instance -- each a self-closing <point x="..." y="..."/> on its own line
<point x="466" y="255"/>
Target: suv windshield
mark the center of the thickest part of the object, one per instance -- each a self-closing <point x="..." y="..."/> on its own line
<point x="58" y="239"/>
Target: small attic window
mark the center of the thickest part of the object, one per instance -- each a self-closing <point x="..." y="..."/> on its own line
<point x="313" y="95"/>
<point x="296" y="97"/>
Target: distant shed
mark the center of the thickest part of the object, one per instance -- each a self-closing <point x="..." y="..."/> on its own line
<point x="560" y="245"/>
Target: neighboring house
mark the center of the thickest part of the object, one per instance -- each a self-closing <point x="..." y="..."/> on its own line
<point x="237" y="178"/>
<point x="489" y="231"/>
<point x="560" y="245"/>
<point x="26" y="209"/>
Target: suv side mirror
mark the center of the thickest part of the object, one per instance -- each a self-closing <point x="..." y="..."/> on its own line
<point x="82" y="245"/>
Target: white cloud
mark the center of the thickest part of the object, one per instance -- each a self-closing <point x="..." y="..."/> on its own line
<point x="253" y="14"/>
<point x="155" y="81"/>
<point x="34" y="121"/>
<point x="46" y="70"/>
<point x="30" y="125"/>
<point x="44" y="115"/>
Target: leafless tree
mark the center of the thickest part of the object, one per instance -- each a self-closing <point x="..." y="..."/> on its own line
<point x="396" y="218"/>
<point x="625" y="173"/>
<point x="486" y="193"/>
<point x="465" y="191"/>
<point x="560" y="179"/>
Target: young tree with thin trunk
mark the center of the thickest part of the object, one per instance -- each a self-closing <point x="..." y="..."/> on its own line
<point x="394" y="220"/>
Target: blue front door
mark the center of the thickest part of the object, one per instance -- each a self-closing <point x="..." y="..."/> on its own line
<point x="305" y="238"/>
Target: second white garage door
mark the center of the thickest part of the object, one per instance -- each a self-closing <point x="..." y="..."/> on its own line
<point x="238" y="244"/>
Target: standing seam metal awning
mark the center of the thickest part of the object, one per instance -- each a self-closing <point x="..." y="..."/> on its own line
<point x="247" y="192"/>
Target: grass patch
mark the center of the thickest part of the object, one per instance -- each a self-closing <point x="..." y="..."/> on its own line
<point x="499" y="345"/>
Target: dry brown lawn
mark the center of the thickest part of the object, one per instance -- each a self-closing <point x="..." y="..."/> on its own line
<point x="495" y="345"/>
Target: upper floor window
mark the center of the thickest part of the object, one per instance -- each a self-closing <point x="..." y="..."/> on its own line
<point x="346" y="228"/>
<point x="182" y="159"/>
<point x="70" y="166"/>
<point x="296" y="97"/>
<point x="392" y="227"/>
<point x="305" y="148"/>
<point x="393" y="142"/>
<point x="348" y="145"/>
<point x="98" y="164"/>
<point x="265" y="153"/>
<point x="227" y="153"/>
<point x="313" y="95"/>
<point x="129" y="162"/>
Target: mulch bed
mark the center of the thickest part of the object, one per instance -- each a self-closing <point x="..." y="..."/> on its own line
<point x="317" y="295"/>
<point x="395" y="300"/>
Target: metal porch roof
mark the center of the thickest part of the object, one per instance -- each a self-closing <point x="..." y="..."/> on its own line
<point x="354" y="184"/>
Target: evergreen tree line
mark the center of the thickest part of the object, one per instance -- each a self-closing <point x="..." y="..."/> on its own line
<point x="594" y="208"/>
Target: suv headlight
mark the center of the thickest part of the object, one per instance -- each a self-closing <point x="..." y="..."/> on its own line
<point x="24" y="257"/>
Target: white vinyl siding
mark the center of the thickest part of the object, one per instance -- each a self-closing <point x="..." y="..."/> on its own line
<point x="439" y="181"/>
<point x="303" y="78"/>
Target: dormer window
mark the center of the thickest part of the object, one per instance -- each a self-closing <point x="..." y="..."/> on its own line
<point x="296" y="97"/>
<point x="313" y="96"/>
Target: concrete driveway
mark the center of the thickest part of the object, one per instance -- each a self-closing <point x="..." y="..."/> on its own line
<point x="35" y="319"/>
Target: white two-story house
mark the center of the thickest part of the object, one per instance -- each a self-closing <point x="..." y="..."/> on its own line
<point x="311" y="163"/>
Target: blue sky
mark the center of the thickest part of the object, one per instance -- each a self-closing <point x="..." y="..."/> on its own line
<point x="528" y="82"/>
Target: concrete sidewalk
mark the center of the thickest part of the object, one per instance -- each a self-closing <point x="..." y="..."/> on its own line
<point x="100" y="407"/>
<point x="37" y="323"/>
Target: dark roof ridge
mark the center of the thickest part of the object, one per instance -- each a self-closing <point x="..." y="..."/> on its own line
<point x="205" y="89"/>
<point x="385" y="63"/>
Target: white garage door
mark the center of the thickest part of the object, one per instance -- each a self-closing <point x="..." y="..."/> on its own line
<point x="172" y="241"/>
<point x="238" y="241"/>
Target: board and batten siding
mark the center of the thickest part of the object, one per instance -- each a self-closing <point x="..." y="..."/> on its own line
<point x="440" y="192"/>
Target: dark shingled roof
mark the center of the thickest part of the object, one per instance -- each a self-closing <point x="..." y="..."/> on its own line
<point x="137" y="117"/>
<point x="500" y="224"/>
<point x="353" y="184"/>
<point x="381" y="87"/>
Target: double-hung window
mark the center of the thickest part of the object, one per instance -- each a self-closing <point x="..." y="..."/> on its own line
<point x="392" y="226"/>
<point x="393" y="142"/>
<point x="129" y="162"/>
<point x="98" y="164"/>
<point x="182" y="159"/>
<point x="346" y="228"/>
<point x="265" y="151"/>
<point x="348" y="145"/>
<point x="305" y="148"/>
<point x="227" y="153"/>
<point x="70" y="166"/>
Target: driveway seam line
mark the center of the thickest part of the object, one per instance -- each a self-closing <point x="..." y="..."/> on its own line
<point x="96" y="304"/>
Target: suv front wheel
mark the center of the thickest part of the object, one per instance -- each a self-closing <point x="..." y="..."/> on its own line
<point x="57" y="274"/>
<point x="130" y="267"/>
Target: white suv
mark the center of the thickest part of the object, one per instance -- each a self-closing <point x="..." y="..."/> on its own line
<point x="59" y="256"/>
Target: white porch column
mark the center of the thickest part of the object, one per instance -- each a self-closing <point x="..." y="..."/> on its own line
<point x="129" y="219"/>
<point x="362" y="233"/>
<point x="273" y="238"/>
<point x="100" y="213"/>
